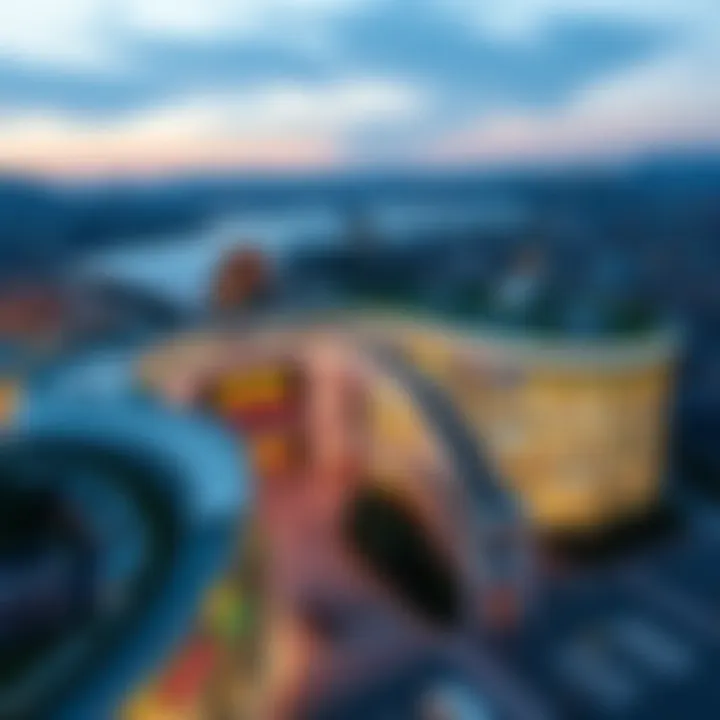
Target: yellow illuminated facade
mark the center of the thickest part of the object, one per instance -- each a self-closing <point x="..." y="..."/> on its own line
<point x="578" y="432"/>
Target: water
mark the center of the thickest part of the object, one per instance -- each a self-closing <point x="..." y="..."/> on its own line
<point x="181" y="268"/>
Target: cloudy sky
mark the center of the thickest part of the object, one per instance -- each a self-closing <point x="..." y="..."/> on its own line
<point x="145" y="86"/>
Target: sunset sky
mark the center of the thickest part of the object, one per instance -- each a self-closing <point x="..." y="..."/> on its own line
<point x="144" y="86"/>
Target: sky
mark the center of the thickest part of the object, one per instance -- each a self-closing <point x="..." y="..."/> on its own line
<point x="106" y="87"/>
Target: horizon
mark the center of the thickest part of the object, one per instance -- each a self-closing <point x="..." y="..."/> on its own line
<point x="674" y="159"/>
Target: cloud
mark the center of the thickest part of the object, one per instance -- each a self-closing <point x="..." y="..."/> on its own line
<point x="413" y="39"/>
<point x="319" y="110"/>
<point x="667" y="100"/>
<point x="279" y="124"/>
<point x="520" y="20"/>
<point x="53" y="147"/>
<point x="169" y="52"/>
<point x="89" y="34"/>
<point x="26" y="87"/>
<point x="68" y="33"/>
<point x="609" y="122"/>
<point x="350" y="79"/>
<point x="215" y="19"/>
